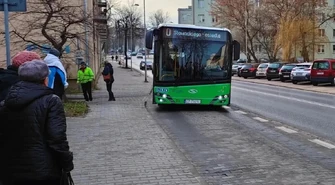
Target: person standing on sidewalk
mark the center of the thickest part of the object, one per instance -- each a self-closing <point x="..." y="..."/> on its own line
<point x="33" y="142"/>
<point x="57" y="76"/>
<point x="85" y="79"/>
<point x="9" y="76"/>
<point x="108" y="75"/>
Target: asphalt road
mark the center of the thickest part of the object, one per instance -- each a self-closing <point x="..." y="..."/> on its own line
<point x="308" y="111"/>
<point x="231" y="146"/>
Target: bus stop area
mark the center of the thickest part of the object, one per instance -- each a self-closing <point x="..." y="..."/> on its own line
<point x="120" y="143"/>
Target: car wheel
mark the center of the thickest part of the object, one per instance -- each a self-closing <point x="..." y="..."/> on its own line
<point x="245" y="77"/>
<point x="282" y="79"/>
<point x="294" y="82"/>
<point x="269" y="79"/>
<point x="315" y="83"/>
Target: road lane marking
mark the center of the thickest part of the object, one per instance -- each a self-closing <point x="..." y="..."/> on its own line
<point x="288" y="130"/>
<point x="285" y="97"/>
<point x="322" y="143"/>
<point x="260" y="119"/>
<point x="240" y="112"/>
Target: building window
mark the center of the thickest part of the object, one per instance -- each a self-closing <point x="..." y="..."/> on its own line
<point x="333" y="32"/>
<point x="201" y="17"/>
<point x="201" y="3"/>
<point x="321" y="48"/>
<point x="333" y="48"/>
<point x="321" y="32"/>
<point x="258" y="48"/>
<point x="214" y="19"/>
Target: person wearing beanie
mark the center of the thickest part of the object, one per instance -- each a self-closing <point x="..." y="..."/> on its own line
<point x="57" y="76"/>
<point x="85" y="78"/>
<point x="33" y="142"/>
<point x="9" y="76"/>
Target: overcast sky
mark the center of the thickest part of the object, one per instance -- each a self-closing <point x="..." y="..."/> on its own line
<point x="170" y="6"/>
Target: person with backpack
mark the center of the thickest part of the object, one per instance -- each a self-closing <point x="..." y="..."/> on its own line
<point x="57" y="77"/>
<point x="85" y="79"/>
<point x="108" y="75"/>
<point x="9" y="76"/>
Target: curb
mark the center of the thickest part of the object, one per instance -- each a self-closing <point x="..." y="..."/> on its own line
<point x="277" y="85"/>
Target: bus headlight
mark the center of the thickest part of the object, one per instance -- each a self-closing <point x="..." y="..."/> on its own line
<point x="225" y="96"/>
<point x="220" y="97"/>
<point x="161" y="100"/>
<point x="164" y="96"/>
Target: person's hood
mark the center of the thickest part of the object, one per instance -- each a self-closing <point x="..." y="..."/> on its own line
<point x="9" y="71"/>
<point x="53" y="60"/>
<point x="23" y="93"/>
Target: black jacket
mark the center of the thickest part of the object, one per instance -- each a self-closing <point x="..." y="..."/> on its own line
<point x="8" y="77"/>
<point x="33" y="141"/>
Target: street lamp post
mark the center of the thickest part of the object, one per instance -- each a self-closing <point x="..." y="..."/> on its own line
<point x="145" y="53"/>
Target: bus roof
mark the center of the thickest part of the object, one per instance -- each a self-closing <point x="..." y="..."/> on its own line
<point x="192" y="27"/>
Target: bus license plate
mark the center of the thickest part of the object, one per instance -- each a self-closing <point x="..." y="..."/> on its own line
<point x="192" y="101"/>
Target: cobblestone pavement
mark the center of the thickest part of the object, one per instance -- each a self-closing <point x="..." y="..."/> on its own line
<point x="119" y="142"/>
<point x="230" y="148"/>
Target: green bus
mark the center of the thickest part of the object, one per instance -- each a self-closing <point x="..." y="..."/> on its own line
<point x="192" y="64"/>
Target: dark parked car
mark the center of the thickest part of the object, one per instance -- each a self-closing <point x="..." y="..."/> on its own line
<point x="149" y="65"/>
<point x="249" y="70"/>
<point x="285" y="72"/>
<point x="273" y="70"/>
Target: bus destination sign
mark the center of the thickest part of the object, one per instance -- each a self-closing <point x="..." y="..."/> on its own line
<point x="185" y="33"/>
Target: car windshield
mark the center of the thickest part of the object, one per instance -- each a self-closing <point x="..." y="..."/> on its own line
<point x="247" y="66"/>
<point x="187" y="59"/>
<point x="261" y="66"/>
<point x="321" y="65"/>
<point x="274" y="65"/>
<point x="288" y="66"/>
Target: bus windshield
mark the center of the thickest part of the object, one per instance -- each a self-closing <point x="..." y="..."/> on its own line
<point x="185" y="59"/>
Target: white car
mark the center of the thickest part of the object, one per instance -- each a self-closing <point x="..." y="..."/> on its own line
<point x="261" y="70"/>
<point x="139" y="55"/>
<point x="301" y="73"/>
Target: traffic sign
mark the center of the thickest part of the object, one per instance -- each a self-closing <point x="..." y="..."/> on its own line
<point x="14" y="5"/>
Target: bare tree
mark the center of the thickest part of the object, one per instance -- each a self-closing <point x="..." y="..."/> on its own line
<point x="235" y="14"/>
<point x="127" y="19"/>
<point x="159" y="17"/>
<point x="57" y="22"/>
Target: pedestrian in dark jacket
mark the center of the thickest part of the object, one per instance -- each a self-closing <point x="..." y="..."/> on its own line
<point x="9" y="76"/>
<point x="108" y="74"/>
<point x="33" y="142"/>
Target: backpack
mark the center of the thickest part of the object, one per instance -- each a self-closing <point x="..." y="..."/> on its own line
<point x="106" y="74"/>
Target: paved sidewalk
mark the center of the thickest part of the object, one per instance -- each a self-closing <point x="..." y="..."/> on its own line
<point x="120" y="143"/>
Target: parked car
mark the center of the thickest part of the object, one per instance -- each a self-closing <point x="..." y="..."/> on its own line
<point x="149" y="65"/>
<point x="249" y="70"/>
<point x="323" y="71"/>
<point x="261" y="70"/>
<point x="133" y="53"/>
<point x="301" y="73"/>
<point x="285" y="72"/>
<point x="139" y="55"/>
<point x="239" y="71"/>
<point x="272" y="71"/>
<point x="235" y="68"/>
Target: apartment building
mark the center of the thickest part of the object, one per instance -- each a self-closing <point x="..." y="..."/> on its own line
<point x="74" y="49"/>
<point x="201" y="13"/>
<point x="326" y="48"/>
<point x="185" y="15"/>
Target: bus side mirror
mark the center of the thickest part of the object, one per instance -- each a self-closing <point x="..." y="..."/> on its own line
<point x="236" y="50"/>
<point x="149" y="39"/>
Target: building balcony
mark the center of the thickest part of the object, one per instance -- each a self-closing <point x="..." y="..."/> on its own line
<point x="100" y="19"/>
<point x="101" y="3"/>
